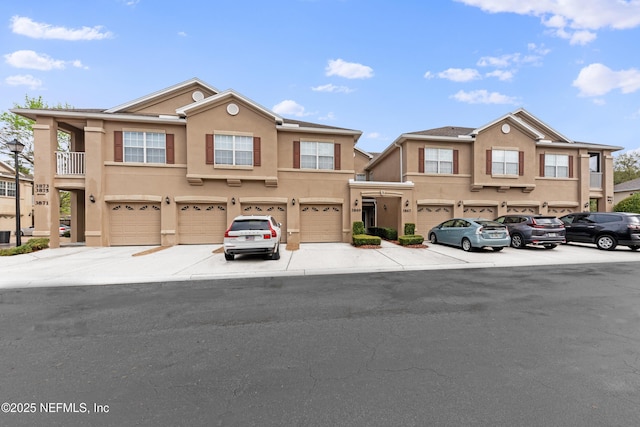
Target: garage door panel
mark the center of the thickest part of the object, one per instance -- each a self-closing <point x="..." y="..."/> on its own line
<point x="201" y="223"/>
<point x="486" y="212"/>
<point x="278" y="211"/>
<point x="134" y="224"/>
<point x="560" y="211"/>
<point x="321" y="223"/>
<point x="430" y="216"/>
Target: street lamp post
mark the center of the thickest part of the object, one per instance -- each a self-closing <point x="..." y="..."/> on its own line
<point x="16" y="148"/>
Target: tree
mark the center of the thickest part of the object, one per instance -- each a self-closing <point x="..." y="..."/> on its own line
<point x="626" y="167"/>
<point x="630" y="204"/>
<point x="21" y="128"/>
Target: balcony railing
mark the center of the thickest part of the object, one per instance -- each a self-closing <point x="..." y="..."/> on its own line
<point x="595" y="180"/>
<point x="69" y="163"/>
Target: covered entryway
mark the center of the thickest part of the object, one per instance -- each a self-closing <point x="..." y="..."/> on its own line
<point x="201" y="223"/>
<point x="278" y="211"/>
<point x="430" y="216"/>
<point x="134" y="224"/>
<point x="321" y="223"/>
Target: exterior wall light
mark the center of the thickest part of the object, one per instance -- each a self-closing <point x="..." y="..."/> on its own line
<point x="545" y="204"/>
<point x="92" y="199"/>
<point x="504" y="204"/>
<point x="233" y="200"/>
<point x="406" y="203"/>
<point x="293" y="202"/>
<point x="356" y="202"/>
<point x="167" y="200"/>
<point x="460" y="203"/>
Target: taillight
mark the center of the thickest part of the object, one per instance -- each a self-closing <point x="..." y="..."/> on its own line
<point x="633" y="226"/>
<point x="274" y="234"/>
<point x="226" y="233"/>
<point x="479" y="230"/>
<point x="534" y="224"/>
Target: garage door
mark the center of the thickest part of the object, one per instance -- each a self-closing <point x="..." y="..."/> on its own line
<point x="134" y="224"/>
<point x="486" y="212"/>
<point x="560" y="211"/>
<point x="523" y="210"/>
<point x="430" y="216"/>
<point x="201" y="223"/>
<point x="321" y="223"/>
<point x="278" y="211"/>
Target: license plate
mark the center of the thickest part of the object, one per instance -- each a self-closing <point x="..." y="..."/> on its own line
<point x="249" y="237"/>
<point x="494" y="235"/>
<point x="552" y="234"/>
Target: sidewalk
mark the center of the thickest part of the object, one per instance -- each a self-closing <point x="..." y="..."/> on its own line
<point x="80" y="265"/>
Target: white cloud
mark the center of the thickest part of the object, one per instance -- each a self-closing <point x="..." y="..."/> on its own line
<point x="332" y="88"/>
<point x="32" y="60"/>
<point x="330" y="116"/>
<point x="428" y="75"/>
<point x="459" y="74"/>
<point x="498" y="61"/>
<point x="581" y="17"/>
<point x="349" y="70"/>
<point x="182" y="34"/>
<point x="501" y="75"/>
<point x="373" y="135"/>
<point x="290" y="108"/>
<point x="483" y="97"/>
<point x="39" y="30"/>
<point x="598" y="79"/>
<point x="23" y="80"/>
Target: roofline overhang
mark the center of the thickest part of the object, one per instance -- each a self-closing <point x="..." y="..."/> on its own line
<point x="361" y="151"/>
<point x="335" y="131"/>
<point x="33" y="115"/>
<point x="578" y="145"/>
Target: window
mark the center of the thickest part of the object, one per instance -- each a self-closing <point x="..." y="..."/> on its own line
<point x="7" y="189"/>
<point x="235" y="150"/>
<point x="316" y="155"/>
<point x="505" y="162"/>
<point x="144" y="147"/>
<point x="438" y="160"/>
<point x="361" y="177"/>
<point x="556" y="165"/>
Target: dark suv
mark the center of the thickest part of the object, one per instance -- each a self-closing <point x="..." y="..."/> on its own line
<point x="606" y="229"/>
<point x="547" y="231"/>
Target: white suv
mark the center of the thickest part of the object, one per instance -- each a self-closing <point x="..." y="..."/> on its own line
<point x="253" y="234"/>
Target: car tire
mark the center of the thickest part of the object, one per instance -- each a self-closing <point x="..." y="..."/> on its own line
<point x="276" y="254"/>
<point x="498" y="249"/>
<point x="229" y="257"/>
<point x="634" y="247"/>
<point x="517" y="241"/>
<point x="550" y="246"/>
<point x="433" y="239"/>
<point x="606" y="242"/>
<point x="466" y="245"/>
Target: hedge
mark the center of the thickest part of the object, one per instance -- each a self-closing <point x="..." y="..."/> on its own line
<point x="31" y="246"/>
<point x="358" y="228"/>
<point x="413" y="239"/>
<point x="630" y="204"/>
<point x="409" y="229"/>
<point x="365" y="239"/>
<point x="386" y="233"/>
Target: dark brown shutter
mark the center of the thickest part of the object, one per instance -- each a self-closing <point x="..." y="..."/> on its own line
<point x="570" y="166"/>
<point x="542" y="158"/>
<point x="117" y="146"/>
<point x="296" y="154"/>
<point x="336" y="157"/>
<point x="520" y="163"/>
<point x="171" y="153"/>
<point x="209" y="149"/>
<point x="455" y="161"/>
<point x="256" y="151"/>
<point x="421" y="160"/>
<point x="489" y="163"/>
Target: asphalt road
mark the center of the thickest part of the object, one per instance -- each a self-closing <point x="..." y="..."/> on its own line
<point x="526" y="346"/>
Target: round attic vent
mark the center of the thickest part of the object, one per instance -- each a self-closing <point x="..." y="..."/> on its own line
<point x="233" y="109"/>
<point x="197" y="96"/>
<point x="506" y="128"/>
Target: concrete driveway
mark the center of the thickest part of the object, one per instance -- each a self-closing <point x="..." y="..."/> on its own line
<point x="79" y="265"/>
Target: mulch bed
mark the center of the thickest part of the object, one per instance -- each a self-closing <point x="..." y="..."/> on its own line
<point x="420" y="246"/>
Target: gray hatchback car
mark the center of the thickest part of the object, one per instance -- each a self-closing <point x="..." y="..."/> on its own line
<point x="540" y="230"/>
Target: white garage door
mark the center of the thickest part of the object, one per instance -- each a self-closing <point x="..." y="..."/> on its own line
<point x="134" y="224"/>
<point x="321" y="223"/>
<point x="278" y="211"/>
<point x="201" y="223"/>
<point x="430" y="216"/>
<point x="486" y="212"/>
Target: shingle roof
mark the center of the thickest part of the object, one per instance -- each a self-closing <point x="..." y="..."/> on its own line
<point x="445" y="131"/>
<point x="634" y="184"/>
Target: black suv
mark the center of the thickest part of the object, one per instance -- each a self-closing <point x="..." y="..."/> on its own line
<point x="606" y="229"/>
<point x="547" y="231"/>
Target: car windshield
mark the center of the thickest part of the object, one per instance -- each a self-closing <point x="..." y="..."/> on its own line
<point x="250" y="224"/>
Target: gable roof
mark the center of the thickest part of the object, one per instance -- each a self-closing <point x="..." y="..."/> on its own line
<point x="229" y="93"/>
<point x="7" y="171"/>
<point x="632" y="185"/>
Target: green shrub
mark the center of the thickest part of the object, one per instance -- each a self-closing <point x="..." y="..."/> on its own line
<point x="358" y="227"/>
<point x="413" y="239"/>
<point x="630" y="204"/>
<point x="365" y="239"/>
<point x="389" y="233"/>
<point x="30" y="246"/>
<point x="38" y="244"/>
<point x="409" y="229"/>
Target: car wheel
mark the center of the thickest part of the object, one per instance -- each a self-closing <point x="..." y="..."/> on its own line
<point x="517" y="241"/>
<point x="228" y="257"/>
<point x="634" y="248"/>
<point x="466" y="245"/>
<point x="498" y="249"/>
<point x="550" y="246"/>
<point x="276" y="255"/>
<point x="606" y="242"/>
<point x="432" y="238"/>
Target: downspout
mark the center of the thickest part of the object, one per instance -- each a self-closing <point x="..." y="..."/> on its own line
<point x="401" y="170"/>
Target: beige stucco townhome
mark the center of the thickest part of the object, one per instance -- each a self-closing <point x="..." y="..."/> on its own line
<point x="8" y="199"/>
<point x="176" y="166"/>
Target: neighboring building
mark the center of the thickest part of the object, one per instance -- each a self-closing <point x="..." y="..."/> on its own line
<point x="176" y="166"/>
<point x="8" y="199"/>
<point x="516" y="163"/>
<point x="625" y="189"/>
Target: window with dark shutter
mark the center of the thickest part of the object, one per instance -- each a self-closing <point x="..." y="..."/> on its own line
<point x="336" y="156"/>
<point x="296" y="154"/>
<point x="209" y="149"/>
<point x="256" y="151"/>
<point x="489" y="162"/>
<point x="521" y="163"/>
<point x="542" y="165"/>
<point x="421" y="160"/>
<point x="170" y="149"/>
<point x="117" y="146"/>
<point x="455" y="162"/>
<point x="570" y="166"/>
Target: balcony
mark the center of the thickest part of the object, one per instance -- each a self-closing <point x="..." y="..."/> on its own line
<point x="595" y="180"/>
<point x="70" y="163"/>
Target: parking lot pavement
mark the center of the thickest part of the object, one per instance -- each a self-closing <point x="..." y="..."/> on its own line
<point x="79" y="265"/>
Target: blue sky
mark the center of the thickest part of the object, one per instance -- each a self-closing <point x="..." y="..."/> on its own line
<point x="382" y="67"/>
